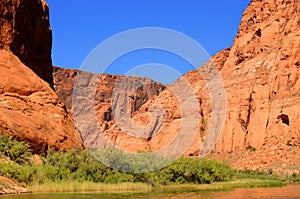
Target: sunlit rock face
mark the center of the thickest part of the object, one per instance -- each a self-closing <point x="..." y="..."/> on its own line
<point x="30" y="110"/>
<point x="260" y="73"/>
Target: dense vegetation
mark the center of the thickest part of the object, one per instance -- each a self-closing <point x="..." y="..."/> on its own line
<point x="18" y="163"/>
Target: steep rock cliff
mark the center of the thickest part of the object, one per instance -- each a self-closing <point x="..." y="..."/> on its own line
<point x="260" y="73"/>
<point x="25" y="31"/>
<point x="261" y="79"/>
<point x="105" y="92"/>
<point x="29" y="108"/>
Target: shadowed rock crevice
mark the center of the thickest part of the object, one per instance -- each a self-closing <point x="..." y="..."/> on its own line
<point x="284" y="118"/>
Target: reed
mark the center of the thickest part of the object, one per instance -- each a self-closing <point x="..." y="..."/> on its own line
<point x="74" y="186"/>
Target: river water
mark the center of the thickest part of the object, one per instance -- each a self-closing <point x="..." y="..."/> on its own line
<point x="287" y="192"/>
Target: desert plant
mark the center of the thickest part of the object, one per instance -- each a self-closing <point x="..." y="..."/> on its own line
<point x="18" y="152"/>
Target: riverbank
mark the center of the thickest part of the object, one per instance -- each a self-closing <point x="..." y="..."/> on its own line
<point x="52" y="187"/>
<point x="290" y="191"/>
<point x="79" y="171"/>
<point x="8" y="186"/>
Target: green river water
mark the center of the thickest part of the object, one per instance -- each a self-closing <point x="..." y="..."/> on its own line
<point x="287" y="192"/>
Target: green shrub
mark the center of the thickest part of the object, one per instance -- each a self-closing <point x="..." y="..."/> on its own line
<point x="69" y="160"/>
<point x="198" y="171"/>
<point x="26" y="174"/>
<point x="49" y="173"/>
<point x="261" y="175"/>
<point x="80" y="165"/>
<point x="9" y="169"/>
<point x="18" y="152"/>
<point x="117" y="177"/>
<point x="133" y="163"/>
<point x="294" y="177"/>
<point x="22" y="174"/>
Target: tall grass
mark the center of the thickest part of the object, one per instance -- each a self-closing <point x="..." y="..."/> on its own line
<point x="74" y="186"/>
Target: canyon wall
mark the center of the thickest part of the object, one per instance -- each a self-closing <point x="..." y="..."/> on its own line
<point x="260" y="73"/>
<point x="25" y="31"/>
<point x="103" y="93"/>
<point x="30" y="110"/>
<point x="261" y="76"/>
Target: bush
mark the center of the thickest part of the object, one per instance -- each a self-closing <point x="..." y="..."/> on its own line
<point x="22" y="174"/>
<point x="9" y="169"/>
<point x="80" y="165"/>
<point x="295" y="177"/>
<point x="248" y="174"/>
<point x="133" y="163"/>
<point x="198" y="171"/>
<point x="117" y="177"/>
<point x="49" y="173"/>
<point x="26" y="174"/>
<point x="70" y="160"/>
<point x="18" y="152"/>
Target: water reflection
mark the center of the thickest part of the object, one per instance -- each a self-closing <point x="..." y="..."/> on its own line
<point x="288" y="192"/>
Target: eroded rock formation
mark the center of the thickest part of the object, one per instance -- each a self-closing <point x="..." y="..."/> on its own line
<point x="260" y="73"/>
<point x="29" y="108"/>
<point x="95" y="97"/>
<point x="261" y="79"/>
<point x="261" y="76"/>
<point x="25" y="31"/>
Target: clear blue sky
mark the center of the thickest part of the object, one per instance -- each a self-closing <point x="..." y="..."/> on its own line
<point x="79" y="26"/>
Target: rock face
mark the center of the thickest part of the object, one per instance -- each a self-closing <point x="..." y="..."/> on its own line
<point x="261" y="79"/>
<point x="25" y="31"/>
<point x="29" y="108"/>
<point x="103" y="93"/>
<point x="260" y="73"/>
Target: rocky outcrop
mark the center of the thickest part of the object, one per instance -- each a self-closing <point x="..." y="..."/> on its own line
<point x="8" y="186"/>
<point x="25" y="31"/>
<point x="30" y="109"/>
<point x="105" y="92"/>
<point x="260" y="73"/>
<point x="261" y="79"/>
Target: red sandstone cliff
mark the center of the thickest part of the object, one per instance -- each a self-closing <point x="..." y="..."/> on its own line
<point x="261" y="76"/>
<point x="25" y="31"/>
<point x="102" y="101"/>
<point x="261" y="79"/>
<point x="29" y="108"/>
